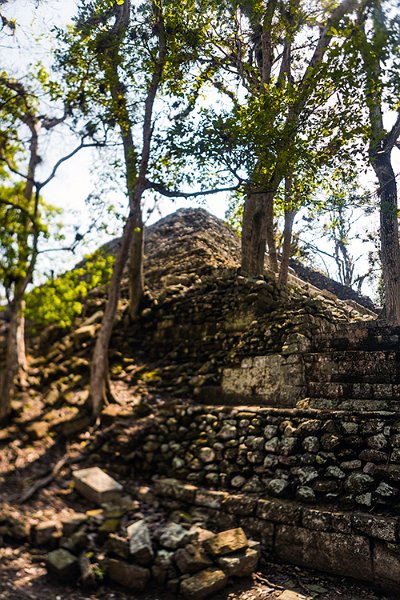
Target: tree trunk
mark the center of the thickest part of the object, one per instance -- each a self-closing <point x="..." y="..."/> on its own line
<point x="254" y="238"/>
<point x="99" y="364"/>
<point x="270" y="232"/>
<point x="287" y="247"/>
<point x="136" y="256"/>
<point x="22" y="362"/>
<point x="389" y="229"/>
<point x="11" y="366"/>
<point x="257" y="231"/>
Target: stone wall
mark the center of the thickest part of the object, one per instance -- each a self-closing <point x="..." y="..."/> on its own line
<point x="353" y="544"/>
<point x="327" y="457"/>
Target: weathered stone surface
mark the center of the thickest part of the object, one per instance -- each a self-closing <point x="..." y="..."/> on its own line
<point x="203" y="584"/>
<point x="199" y="534"/>
<point x="192" y="558"/>
<point x="174" y="536"/>
<point x="386" y="568"/>
<point x="75" y="542"/>
<point x="130" y="576"/>
<point x="118" y="545"/>
<point x="96" y="485"/>
<point x="358" y="483"/>
<point x="383" y="528"/>
<point x="280" y="512"/>
<point x="305" y="494"/>
<point x="140" y="546"/>
<point x="241" y="564"/>
<point x="227" y="542"/>
<point x="332" y="552"/>
<point x="210" y="498"/>
<point x="317" y="519"/>
<point x="63" y="565"/>
<point x="240" y="505"/>
<point x="45" y="532"/>
<point x="71" y="523"/>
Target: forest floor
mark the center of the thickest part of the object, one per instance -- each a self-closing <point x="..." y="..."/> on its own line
<point x="23" y="575"/>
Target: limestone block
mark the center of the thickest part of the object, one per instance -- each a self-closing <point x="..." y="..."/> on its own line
<point x="174" y="536"/>
<point x="77" y="541"/>
<point x="347" y="555"/>
<point x="227" y="542"/>
<point x="203" y="584"/>
<point x="383" y="528"/>
<point x="130" y="576"/>
<point x="140" y="546"/>
<point x="316" y="519"/>
<point x="386" y="567"/>
<point x="192" y="558"/>
<point x="63" y="565"/>
<point x="199" y="535"/>
<point x="240" y="504"/>
<point x="71" y="523"/>
<point x="280" y="512"/>
<point x="96" y="485"/>
<point x="210" y="498"/>
<point x="242" y="564"/>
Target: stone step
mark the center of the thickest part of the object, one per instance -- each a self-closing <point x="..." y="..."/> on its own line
<point x="371" y="336"/>
<point x="341" y="390"/>
<point x="353" y="366"/>
<point x="350" y="404"/>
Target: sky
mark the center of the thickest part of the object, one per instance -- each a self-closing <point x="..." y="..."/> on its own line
<point x="74" y="182"/>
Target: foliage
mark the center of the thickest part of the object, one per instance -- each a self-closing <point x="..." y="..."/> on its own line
<point x="61" y="300"/>
<point x="19" y="224"/>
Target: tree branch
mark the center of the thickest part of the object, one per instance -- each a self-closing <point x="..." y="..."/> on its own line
<point x="391" y="138"/>
<point x="62" y="160"/>
<point x="161" y="189"/>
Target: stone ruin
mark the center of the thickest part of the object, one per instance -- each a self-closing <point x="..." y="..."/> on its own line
<point x="292" y="426"/>
<point x="280" y="409"/>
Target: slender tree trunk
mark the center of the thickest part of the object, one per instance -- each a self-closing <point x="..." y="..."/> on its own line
<point x="136" y="274"/>
<point x="99" y="365"/>
<point x="287" y="247"/>
<point x="22" y="361"/>
<point x="11" y="366"/>
<point x="136" y="185"/>
<point x="389" y="230"/>
<point x="270" y="232"/>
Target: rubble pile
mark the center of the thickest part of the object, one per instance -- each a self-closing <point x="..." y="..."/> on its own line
<point x="112" y="542"/>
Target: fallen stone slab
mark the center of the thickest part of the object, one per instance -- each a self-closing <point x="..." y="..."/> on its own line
<point x="95" y="485"/>
<point x="242" y="564"/>
<point x="130" y="576"/>
<point x="63" y="565"/>
<point x="192" y="558"/>
<point x="140" y="546"/>
<point x="204" y="584"/>
<point x="227" y="542"/>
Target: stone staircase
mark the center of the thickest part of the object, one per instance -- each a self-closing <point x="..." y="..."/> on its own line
<point x="357" y="368"/>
